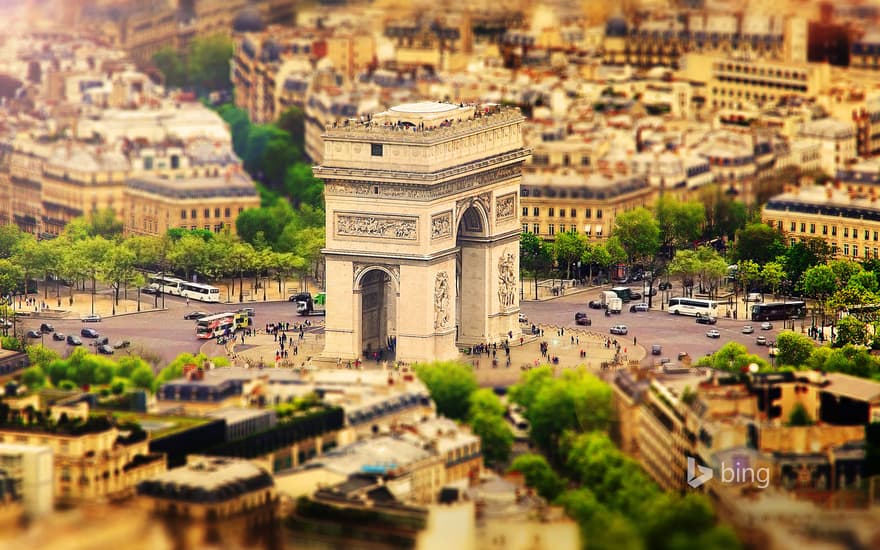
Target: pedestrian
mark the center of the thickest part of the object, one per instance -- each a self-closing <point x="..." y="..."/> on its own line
<point x="634" y="340"/>
<point x="187" y="301"/>
<point x="295" y="350"/>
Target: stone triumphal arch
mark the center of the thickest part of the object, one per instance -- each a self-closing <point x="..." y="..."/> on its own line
<point x="422" y="230"/>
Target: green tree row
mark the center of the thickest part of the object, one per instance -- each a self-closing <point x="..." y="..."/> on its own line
<point x="204" y="67"/>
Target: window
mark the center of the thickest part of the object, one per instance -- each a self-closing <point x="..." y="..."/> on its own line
<point x="779" y="225"/>
<point x="192" y="228"/>
<point x="207" y="227"/>
<point x="192" y="213"/>
<point x="376" y="149"/>
<point x="588" y="214"/>
<point x="875" y="236"/>
<point x="812" y="228"/>
<point x="875" y="253"/>
<point x="183" y="214"/>
<point x="551" y="229"/>
<point x="216" y="212"/>
<point x="573" y="228"/>
<point x="867" y="252"/>
<point x="598" y="230"/>
<point x="536" y="228"/>
<point x="550" y="212"/>
<point x="566" y="160"/>
<point x="833" y="230"/>
<point x="525" y="210"/>
<point x="562" y="212"/>
<point x="792" y="226"/>
<point x="588" y="230"/>
<point x="824" y="229"/>
<point x="207" y="213"/>
<point x="855" y="233"/>
<point x="867" y="235"/>
<point x="148" y="163"/>
<point x="845" y="249"/>
<point x="574" y="214"/>
<point x="175" y="162"/>
<point x="226" y="212"/>
<point x="585" y="161"/>
<point x="240" y="209"/>
<point x="525" y="228"/>
<point x="535" y="212"/>
<point x="598" y="213"/>
<point x="846" y="232"/>
<point x="855" y="251"/>
<point x="803" y="227"/>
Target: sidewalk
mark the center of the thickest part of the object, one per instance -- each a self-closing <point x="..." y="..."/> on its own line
<point x="262" y="347"/>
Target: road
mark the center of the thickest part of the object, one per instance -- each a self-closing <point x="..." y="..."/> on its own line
<point x="161" y="334"/>
<point x="674" y="333"/>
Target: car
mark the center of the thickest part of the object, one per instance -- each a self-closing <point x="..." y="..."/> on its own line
<point x="34" y="334"/>
<point x="101" y="341"/>
<point x="706" y="320"/>
<point x="713" y="333"/>
<point x="89" y="333"/>
<point x="73" y="340"/>
<point x="748" y="329"/>
<point x="93" y="318"/>
<point x="761" y="340"/>
<point x="122" y="344"/>
<point x="683" y="356"/>
<point x="249" y="310"/>
<point x="754" y="297"/>
<point x="638" y="307"/>
<point x="195" y="315"/>
<point x="150" y="290"/>
<point x="105" y="349"/>
<point x="665" y="286"/>
<point x="766" y="325"/>
<point x="656" y="349"/>
<point x="584" y="321"/>
<point x="57" y="336"/>
<point x="522" y="318"/>
<point x="619" y="329"/>
<point x="46" y="328"/>
<point x="579" y="315"/>
<point x="595" y="304"/>
<point x="633" y="295"/>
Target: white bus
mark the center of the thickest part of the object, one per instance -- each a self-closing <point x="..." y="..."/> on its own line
<point x="693" y="306"/>
<point x="166" y="285"/>
<point x="199" y="291"/>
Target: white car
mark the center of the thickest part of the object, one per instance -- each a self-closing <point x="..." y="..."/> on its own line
<point x="713" y="333"/>
<point x="766" y="325"/>
<point x="619" y="329"/>
<point x="94" y="318"/>
<point x="748" y="329"/>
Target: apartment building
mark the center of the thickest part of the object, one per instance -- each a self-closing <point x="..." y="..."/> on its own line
<point x="863" y="110"/>
<point x="26" y="477"/>
<point x="93" y="461"/>
<point x="153" y="204"/>
<point x="560" y="200"/>
<point x="846" y="218"/>
<point x="443" y="44"/>
<point x="732" y="81"/>
<point x="837" y="142"/>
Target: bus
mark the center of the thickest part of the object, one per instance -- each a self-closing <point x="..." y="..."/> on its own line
<point x="221" y="324"/>
<point x="623" y="292"/>
<point x="199" y="291"/>
<point x="162" y="284"/>
<point x="693" y="306"/>
<point x="772" y="311"/>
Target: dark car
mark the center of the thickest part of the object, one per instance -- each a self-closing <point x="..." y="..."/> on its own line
<point x="706" y="320"/>
<point x="665" y="286"/>
<point x="579" y="315"/>
<point x="101" y="341"/>
<point x="656" y="349"/>
<point x="122" y="344"/>
<point x="46" y="328"/>
<point x="105" y="349"/>
<point x="34" y="334"/>
<point x="195" y="315"/>
<point x="89" y="333"/>
<point x="584" y="321"/>
<point x="73" y="340"/>
<point x="635" y="296"/>
<point x="57" y="336"/>
<point x="150" y="290"/>
<point x="595" y="304"/>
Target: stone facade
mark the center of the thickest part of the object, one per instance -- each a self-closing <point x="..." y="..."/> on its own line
<point x="422" y="230"/>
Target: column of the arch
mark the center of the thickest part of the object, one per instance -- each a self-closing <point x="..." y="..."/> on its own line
<point x="503" y="321"/>
<point x="342" y="323"/>
<point x="474" y="297"/>
<point x="417" y="338"/>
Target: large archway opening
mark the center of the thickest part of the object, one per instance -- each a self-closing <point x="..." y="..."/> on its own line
<point x="471" y="299"/>
<point x="378" y="315"/>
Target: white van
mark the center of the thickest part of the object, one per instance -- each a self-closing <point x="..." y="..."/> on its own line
<point x="754" y="297"/>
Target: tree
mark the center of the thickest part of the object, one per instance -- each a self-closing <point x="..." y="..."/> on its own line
<point x="189" y="254"/>
<point x="538" y="474"/>
<point x="820" y="282"/>
<point x="680" y="222"/>
<point x="733" y="357"/>
<point x="799" y="416"/>
<point x="748" y="272"/>
<point x="142" y="377"/>
<point x="638" y="234"/>
<point x="534" y="256"/>
<point x="851" y="330"/>
<point x="208" y="62"/>
<point x="794" y="349"/>
<point x="118" y="269"/>
<point x="758" y="242"/>
<point x="773" y="274"/>
<point x="105" y="223"/>
<point x="303" y="187"/>
<point x="495" y="436"/>
<point x="33" y="377"/>
<point x="41" y="356"/>
<point x="292" y="121"/>
<point x="802" y="255"/>
<point x="685" y="267"/>
<point x="568" y="249"/>
<point x="711" y="268"/>
<point x="450" y="385"/>
<point x="171" y="66"/>
<point x="484" y="401"/>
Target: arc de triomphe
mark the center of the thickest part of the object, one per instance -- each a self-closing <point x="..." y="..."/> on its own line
<point x="423" y="229"/>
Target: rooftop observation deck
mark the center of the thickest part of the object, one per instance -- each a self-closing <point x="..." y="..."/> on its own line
<point x="423" y="123"/>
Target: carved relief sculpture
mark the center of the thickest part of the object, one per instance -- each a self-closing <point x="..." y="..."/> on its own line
<point x="441" y="225"/>
<point x="441" y="300"/>
<point x="507" y="280"/>
<point x="505" y="206"/>
<point x="372" y="226"/>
